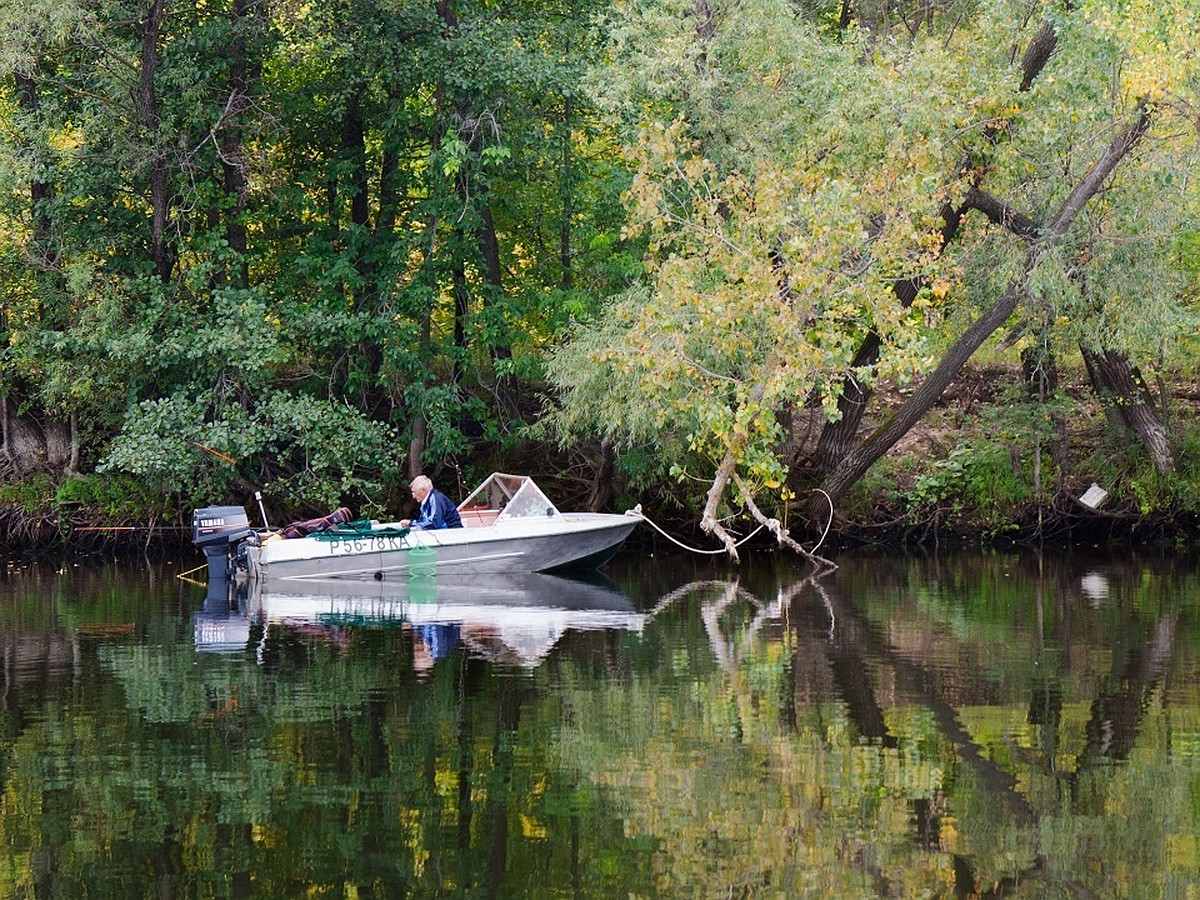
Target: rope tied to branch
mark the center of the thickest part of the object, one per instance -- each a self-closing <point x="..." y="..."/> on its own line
<point x="775" y="526"/>
<point x="637" y="513"/>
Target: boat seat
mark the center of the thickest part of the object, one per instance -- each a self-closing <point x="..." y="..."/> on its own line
<point x="478" y="517"/>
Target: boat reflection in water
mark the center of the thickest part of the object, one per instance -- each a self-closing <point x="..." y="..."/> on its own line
<point x="514" y="618"/>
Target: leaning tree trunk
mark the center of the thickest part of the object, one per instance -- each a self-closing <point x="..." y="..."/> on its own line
<point x="855" y="464"/>
<point x="1120" y="387"/>
<point x="837" y="438"/>
<point x="859" y="461"/>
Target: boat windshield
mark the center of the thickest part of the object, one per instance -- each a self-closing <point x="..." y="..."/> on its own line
<point x="517" y="496"/>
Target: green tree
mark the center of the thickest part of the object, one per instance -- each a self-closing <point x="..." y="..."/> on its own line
<point x="801" y="185"/>
<point x="327" y="241"/>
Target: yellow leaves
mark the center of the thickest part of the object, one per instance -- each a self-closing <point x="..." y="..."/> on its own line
<point x="67" y="140"/>
<point x="1181" y="851"/>
<point x="773" y="79"/>
<point x="1157" y="43"/>
<point x="532" y="829"/>
<point x="779" y="214"/>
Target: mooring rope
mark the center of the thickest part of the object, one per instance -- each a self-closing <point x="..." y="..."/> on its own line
<point x="828" y="524"/>
<point x="637" y="513"/>
<point x="774" y="524"/>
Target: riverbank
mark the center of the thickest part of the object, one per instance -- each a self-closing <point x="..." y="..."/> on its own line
<point x="984" y="468"/>
<point x="988" y="467"/>
<point x="1067" y="522"/>
<point x="1064" y="523"/>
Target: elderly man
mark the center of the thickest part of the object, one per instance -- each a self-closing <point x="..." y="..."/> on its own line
<point x="437" y="510"/>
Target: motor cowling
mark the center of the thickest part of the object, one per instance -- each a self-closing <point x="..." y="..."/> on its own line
<point x="217" y="530"/>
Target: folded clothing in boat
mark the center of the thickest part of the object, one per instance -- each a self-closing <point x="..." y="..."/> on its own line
<point x="339" y="516"/>
<point x="361" y="528"/>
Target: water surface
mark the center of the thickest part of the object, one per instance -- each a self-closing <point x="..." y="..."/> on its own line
<point x="1014" y="724"/>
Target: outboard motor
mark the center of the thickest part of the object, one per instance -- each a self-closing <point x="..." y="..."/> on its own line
<point x="217" y="530"/>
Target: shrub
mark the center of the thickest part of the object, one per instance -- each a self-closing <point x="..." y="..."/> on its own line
<point x="29" y="494"/>
<point x="115" y="497"/>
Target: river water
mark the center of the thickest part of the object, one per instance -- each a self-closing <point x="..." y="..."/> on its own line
<point x="1018" y="724"/>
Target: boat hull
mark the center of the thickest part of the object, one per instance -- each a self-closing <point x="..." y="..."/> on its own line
<point x="556" y="543"/>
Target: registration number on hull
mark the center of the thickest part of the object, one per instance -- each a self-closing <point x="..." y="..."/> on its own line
<point x="346" y="546"/>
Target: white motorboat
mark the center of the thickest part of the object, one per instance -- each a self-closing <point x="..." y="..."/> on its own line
<point x="509" y="526"/>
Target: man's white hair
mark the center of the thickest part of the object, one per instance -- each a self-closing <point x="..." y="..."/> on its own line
<point x="421" y="481"/>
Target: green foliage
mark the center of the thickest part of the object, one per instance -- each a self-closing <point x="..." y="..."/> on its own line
<point x="932" y="489"/>
<point x="30" y="495"/>
<point x="115" y="497"/>
<point x="1156" y="493"/>
<point x="984" y="483"/>
<point x="321" y="452"/>
<point x="326" y="202"/>
<point x="330" y="181"/>
<point x="981" y="481"/>
<point x="1186" y="487"/>
<point x="787" y="175"/>
<point x="112" y="498"/>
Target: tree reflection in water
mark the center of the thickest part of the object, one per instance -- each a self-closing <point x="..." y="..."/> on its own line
<point x="982" y="724"/>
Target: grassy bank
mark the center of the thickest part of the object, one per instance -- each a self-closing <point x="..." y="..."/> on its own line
<point x="987" y="466"/>
<point x="87" y="513"/>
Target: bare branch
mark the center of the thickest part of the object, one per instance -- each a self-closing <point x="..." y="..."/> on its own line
<point x="1000" y="213"/>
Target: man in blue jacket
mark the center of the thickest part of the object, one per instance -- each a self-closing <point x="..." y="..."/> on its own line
<point x="437" y="510"/>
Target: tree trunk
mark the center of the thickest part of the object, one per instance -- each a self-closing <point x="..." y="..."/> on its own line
<point x="40" y="192"/>
<point x="233" y="156"/>
<point x="508" y="405"/>
<point x="1037" y="54"/>
<point x="6" y="451"/>
<point x="860" y="460"/>
<point x="360" y="245"/>
<point x="354" y="151"/>
<point x="147" y="116"/>
<point x="462" y="308"/>
<point x="385" y="218"/>
<point x="73" y="461"/>
<point x="837" y="438"/>
<point x="417" y="441"/>
<point x="602" y="485"/>
<point x="566" y="279"/>
<point x="416" y="445"/>
<point x="33" y="441"/>
<point x="1103" y="391"/>
<point x="489" y="248"/>
<point x="1128" y="401"/>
